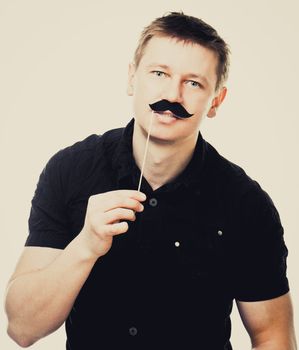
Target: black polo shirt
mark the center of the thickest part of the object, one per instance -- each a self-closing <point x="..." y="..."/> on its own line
<point x="211" y="236"/>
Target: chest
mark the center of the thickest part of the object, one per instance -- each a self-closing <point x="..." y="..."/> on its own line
<point x="174" y="260"/>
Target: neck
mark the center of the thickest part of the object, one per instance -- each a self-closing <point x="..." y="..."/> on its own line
<point x="164" y="160"/>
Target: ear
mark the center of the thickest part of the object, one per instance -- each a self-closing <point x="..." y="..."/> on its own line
<point x="131" y="73"/>
<point x="217" y="100"/>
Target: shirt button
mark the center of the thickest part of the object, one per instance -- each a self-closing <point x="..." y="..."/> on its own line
<point x="177" y="244"/>
<point x="153" y="202"/>
<point x="220" y="233"/>
<point x="133" y="331"/>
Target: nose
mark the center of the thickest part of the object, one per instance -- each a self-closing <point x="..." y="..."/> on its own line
<point x="173" y="91"/>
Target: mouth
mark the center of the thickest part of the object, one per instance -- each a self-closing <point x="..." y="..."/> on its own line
<point x="167" y="114"/>
<point x="166" y="117"/>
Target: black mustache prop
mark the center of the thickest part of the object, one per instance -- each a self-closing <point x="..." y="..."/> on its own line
<point x="174" y="107"/>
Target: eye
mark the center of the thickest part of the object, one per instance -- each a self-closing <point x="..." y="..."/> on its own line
<point x="194" y="84"/>
<point x="158" y="73"/>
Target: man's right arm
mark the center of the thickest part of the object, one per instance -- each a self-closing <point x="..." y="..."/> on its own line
<point x="46" y="282"/>
<point x="43" y="289"/>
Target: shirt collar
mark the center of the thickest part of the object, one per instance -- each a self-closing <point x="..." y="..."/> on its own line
<point x="124" y="163"/>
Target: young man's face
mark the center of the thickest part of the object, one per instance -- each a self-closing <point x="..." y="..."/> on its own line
<point x="178" y="72"/>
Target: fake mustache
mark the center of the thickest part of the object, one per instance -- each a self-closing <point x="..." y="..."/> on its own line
<point x="174" y="107"/>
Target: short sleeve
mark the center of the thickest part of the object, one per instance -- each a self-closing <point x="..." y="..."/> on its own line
<point x="260" y="256"/>
<point x="48" y="220"/>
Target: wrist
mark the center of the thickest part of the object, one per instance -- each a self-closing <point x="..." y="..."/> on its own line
<point x="80" y="246"/>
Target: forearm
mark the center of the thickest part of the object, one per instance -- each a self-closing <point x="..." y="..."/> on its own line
<point x="37" y="303"/>
<point x="279" y="344"/>
<point x="274" y="346"/>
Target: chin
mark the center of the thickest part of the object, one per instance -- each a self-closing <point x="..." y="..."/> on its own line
<point x="164" y="138"/>
<point x="161" y="140"/>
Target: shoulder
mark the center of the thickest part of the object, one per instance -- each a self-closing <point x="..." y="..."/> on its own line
<point x="80" y="161"/>
<point x="79" y="149"/>
<point x="83" y="151"/>
<point x="226" y="173"/>
<point x="236" y="185"/>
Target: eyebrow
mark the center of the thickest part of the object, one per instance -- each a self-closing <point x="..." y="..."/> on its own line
<point x="189" y="75"/>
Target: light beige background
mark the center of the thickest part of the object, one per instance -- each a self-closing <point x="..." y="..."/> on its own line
<point x="62" y="64"/>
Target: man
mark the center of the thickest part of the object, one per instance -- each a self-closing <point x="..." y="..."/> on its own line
<point x="159" y="268"/>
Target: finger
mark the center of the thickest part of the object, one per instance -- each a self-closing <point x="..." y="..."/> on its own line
<point x="122" y="202"/>
<point x="117" y="214"/>
<point x="115" y="199"/>
<point x="138" y="195"/>
<point x="116" y="229"/>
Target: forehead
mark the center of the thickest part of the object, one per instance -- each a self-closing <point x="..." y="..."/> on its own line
<point x="180" y="56"/>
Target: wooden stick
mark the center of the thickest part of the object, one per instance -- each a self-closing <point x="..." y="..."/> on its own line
<point x="145" y="152"/>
